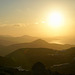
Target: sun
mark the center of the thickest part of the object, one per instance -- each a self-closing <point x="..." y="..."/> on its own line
<point x="55" y="19"/>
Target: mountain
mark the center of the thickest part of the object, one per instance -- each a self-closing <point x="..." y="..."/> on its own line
<point x="69" y="66"/>
<point x="35" y="44"/>
<point x="60" y="61"/>
<point x="50" y="57"/>
<point x="25" y="39"/>
<point x="6" y="42"/>
<point x="26" y="57"/>
<point x="9" y="40"/>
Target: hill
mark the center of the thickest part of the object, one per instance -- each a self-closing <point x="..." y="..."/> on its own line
<point x="61" y="61"/>
<point x="43" y="54"/>
<point x="4" y="61"/>
<point x="35" y="44"/>
<point x="28" y="56"/>
<point x="9" y="40"/>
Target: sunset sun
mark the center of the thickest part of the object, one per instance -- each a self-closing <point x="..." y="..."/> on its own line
<point x="55" y="19"/>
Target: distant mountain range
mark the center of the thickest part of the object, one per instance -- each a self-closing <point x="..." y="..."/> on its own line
<point x="34" y="44"/>
<point x="9" y="40"/>
<point x="26" y="50"/>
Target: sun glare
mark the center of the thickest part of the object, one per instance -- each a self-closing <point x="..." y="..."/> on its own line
<point x="55" y="19"/>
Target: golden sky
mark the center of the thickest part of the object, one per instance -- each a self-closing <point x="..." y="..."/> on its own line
<point x="41" y="18"/>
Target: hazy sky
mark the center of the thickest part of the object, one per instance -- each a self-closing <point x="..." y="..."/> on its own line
<point x="27" y="17"/>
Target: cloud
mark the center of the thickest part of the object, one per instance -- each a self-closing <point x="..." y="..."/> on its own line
<point x="19" y="25"/>
<point x="13" y="25"/>
<point x="16" y="25"/>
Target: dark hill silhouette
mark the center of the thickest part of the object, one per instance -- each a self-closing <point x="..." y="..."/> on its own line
<point x="37" y="69"/>
<point x="72" y="49"/>
<point x="68" y="68"/>
<point x="4" y="61"/>
<point x="48" y="56"/>
<point x="60" y="61"/>
<point x="69" y="52"/>
<point x="28" y="56"/>
<point x="35" y="44"/>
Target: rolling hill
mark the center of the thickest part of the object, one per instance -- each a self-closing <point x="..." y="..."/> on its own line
<point x="35" y="44"/>
<point x="61" y="61"/>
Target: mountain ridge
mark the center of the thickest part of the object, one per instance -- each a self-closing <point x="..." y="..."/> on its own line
<point x="39" y="43"/>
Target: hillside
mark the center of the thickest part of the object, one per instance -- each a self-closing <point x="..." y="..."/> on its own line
<point x="53" y="59"/>
<point x="35" y="44"/>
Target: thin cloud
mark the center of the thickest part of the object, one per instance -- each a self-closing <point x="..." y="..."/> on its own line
<point x="19" y="25"/>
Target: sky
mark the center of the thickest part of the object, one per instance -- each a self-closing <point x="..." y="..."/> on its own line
<point x="29" y="17"/>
